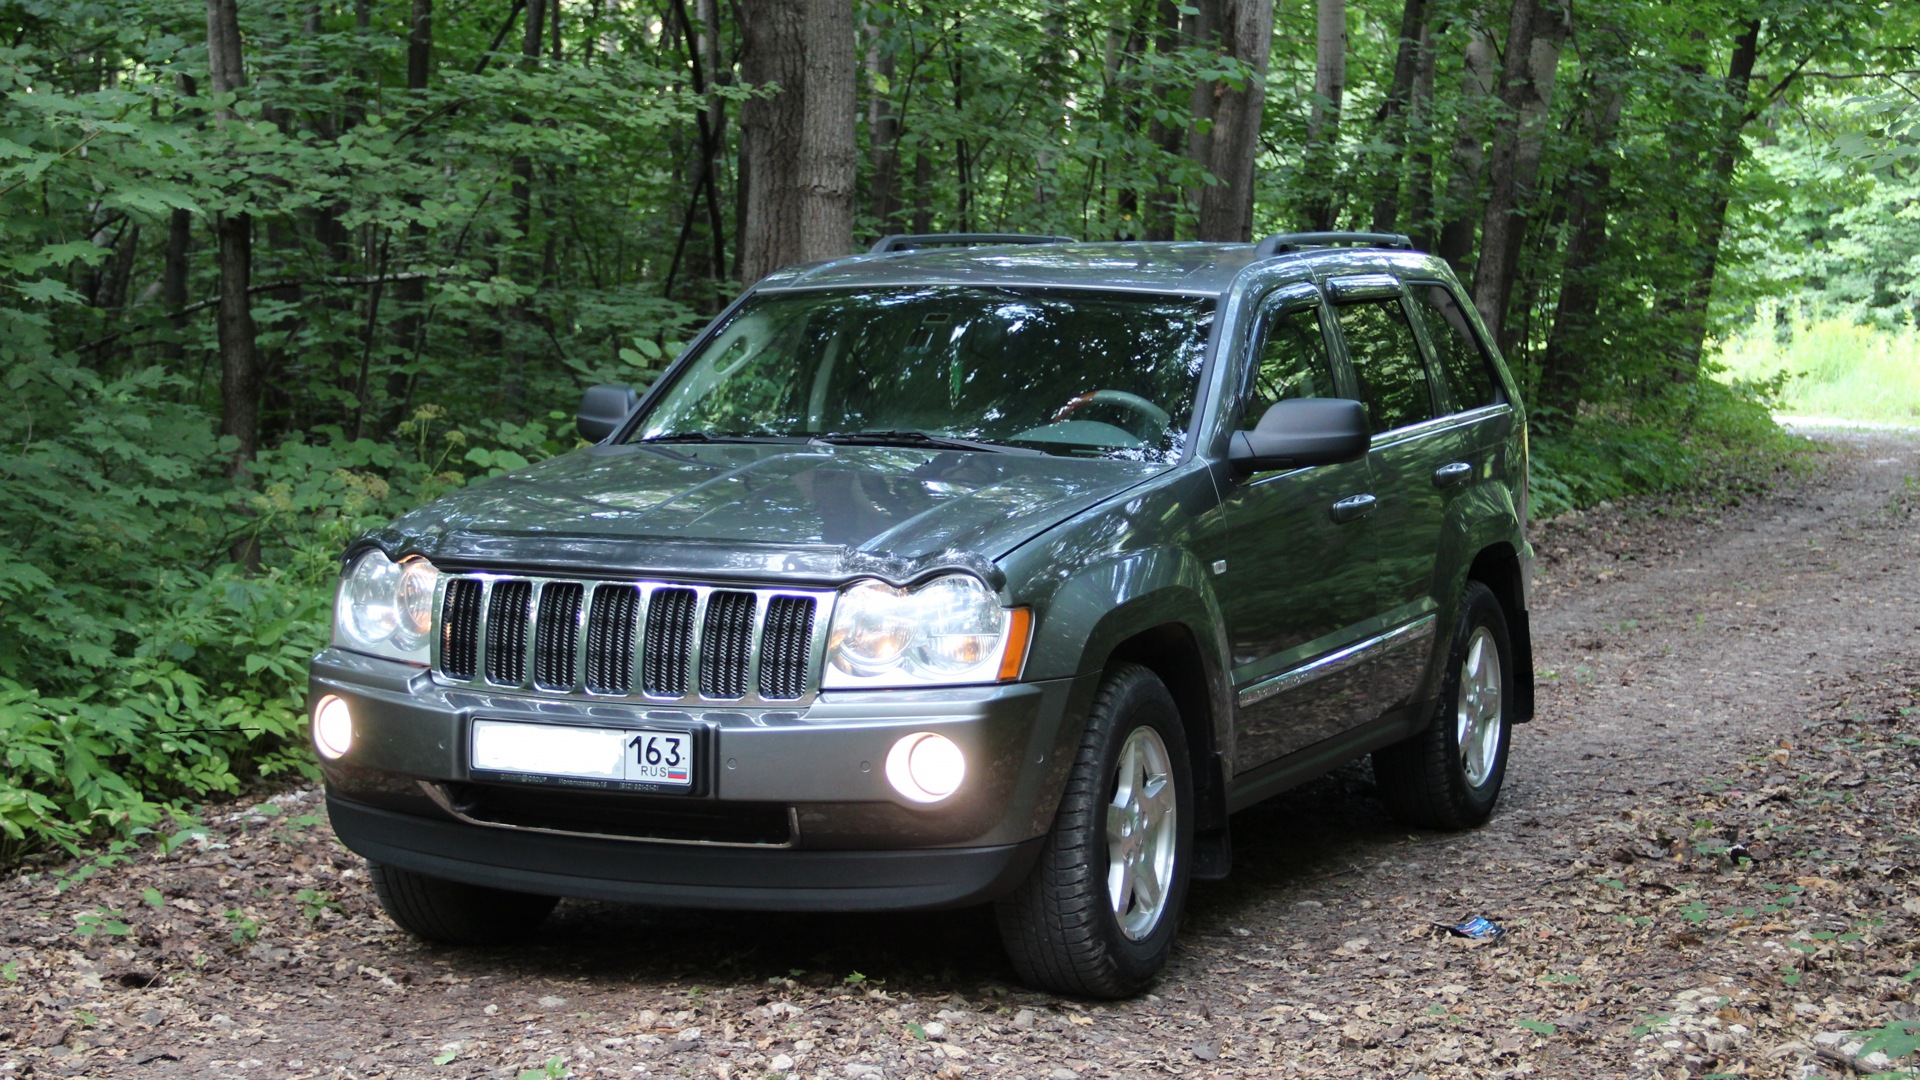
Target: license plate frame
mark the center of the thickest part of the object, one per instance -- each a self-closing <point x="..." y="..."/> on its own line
<point x="590" y="757"/>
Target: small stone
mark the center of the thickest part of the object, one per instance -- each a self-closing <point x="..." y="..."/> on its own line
<point x="1063" y="1074"/>
<point x="780" y="1063"/>
<point x="551" y="1002"/>
<point x="1207" y="1051"/>
<point x="1023" y="1020"/>
<point x="935" y="1030"/>
<point x="803" y="1046"/>
<point x="221" y="1020"/>
<point x="857" y="1071"/>
<point x="491" y="1010"/>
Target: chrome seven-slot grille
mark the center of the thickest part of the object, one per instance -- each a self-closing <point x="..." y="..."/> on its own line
<point x="646" y="640"/>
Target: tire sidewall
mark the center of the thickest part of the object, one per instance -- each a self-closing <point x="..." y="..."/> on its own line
<point x="1145" y="703"/>
<point x="1478" y="608"/>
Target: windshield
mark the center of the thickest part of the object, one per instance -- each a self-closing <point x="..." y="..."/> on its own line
<point x="1065" y="372"/>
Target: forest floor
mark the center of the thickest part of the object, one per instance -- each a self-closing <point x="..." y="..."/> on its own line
<point x="1704" y="860"/>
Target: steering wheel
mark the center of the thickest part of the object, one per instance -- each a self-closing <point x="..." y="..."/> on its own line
<point x="1139" y="406"/>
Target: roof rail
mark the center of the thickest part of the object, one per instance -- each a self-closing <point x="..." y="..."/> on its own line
<point x="903" y="242"/>
<point x="1281" y="243"/>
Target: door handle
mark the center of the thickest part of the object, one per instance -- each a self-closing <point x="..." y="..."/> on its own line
<point x="1353" y="506"/>
<point x="1448" y="475"/>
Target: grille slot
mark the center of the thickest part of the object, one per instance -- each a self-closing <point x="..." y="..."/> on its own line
<point x="556" y="637"/>
<point x="786" y="647"/>
<point x="610" y="639"/>
<point x="665" y="653"/>
<point x="508" y="611"/>
<point x="460" y="629"/>
<point x="726" y="644"/>
<point x="636" y="640"/>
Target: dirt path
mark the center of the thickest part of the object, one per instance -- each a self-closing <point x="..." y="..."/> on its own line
<point x="1704" y="860"/>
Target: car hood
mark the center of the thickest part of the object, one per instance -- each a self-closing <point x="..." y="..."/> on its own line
<point x="744" y="510"/>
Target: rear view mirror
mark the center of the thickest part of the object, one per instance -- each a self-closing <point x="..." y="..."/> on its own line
<point x="604" y="408"/>
<point x="1299" y="432"/>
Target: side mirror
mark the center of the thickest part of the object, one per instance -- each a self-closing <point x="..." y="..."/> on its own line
<point x="1300" y="432"/>
<point x="603" y="408"/>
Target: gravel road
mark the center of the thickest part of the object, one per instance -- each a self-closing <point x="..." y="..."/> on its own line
<point x="1704" y="860"/>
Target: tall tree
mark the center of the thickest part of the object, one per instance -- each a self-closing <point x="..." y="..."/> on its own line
<point x="1534" y="34"/>
<point x="770" y="124"/>
<point x="1393" y="116"/>
<point x="1242" y="31"/>
<point x="1467" y="158"/>
<point x="239" y="362"/>
<point x="1570" y="343"/>
<point x="828" y="161"/>
<point x="1729" y="146"/>
<point x="797" y="145"/>
<point x="1322" y="205"/>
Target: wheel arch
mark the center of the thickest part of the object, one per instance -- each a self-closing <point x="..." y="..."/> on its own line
<point x="1172" y="652"/>
<point x="1497" y="566"/>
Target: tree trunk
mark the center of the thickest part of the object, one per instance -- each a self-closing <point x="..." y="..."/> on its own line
<point x="1394" y="113"/>
<point x="1321" y="207"/>
<point x="1163" y="202"/>
<point x="522" y="192"/>
<point x="239" y="363"/>
<point x="1533" y="59"/>
<point x="410" y="294"/>
<point x="883" y="130"/>
<point x="1245" y="34"/>
<point x="828" y="159"/>
<point x="769" y="129"/>
<point x="1563" y="366"/>
<point x="1467" y="160"/>
<point x="1713" y="227"/>
<point x="1420" y="194"/>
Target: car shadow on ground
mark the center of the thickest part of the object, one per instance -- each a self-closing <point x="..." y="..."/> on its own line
<point x="1281" y="848"/>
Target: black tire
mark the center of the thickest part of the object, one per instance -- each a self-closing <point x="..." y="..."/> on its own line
<point x="1427" y="781"/>
<point x="1059" y="926"/>
<point x="453" y="912"/>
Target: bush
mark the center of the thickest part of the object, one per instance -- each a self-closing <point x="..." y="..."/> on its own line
<point x="1705" y="435"/>
<point x="140" y="669"/>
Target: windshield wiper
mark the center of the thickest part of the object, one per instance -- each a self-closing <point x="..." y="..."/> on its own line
<point x="908" y="437"/>
<point x="719" y="437"/>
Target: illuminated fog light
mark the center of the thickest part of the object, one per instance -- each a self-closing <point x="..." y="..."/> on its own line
<point x="926" y="767"/>
<point x="333" y="727"/>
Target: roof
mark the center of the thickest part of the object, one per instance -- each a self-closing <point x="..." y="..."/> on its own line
<point x="1178" y="267"/>
<point x="1197" y="269"/>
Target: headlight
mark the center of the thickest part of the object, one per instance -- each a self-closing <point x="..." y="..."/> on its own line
<point x="386" y="607"/>
<point x="948" y="631"/>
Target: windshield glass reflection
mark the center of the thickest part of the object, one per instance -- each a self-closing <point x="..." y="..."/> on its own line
<point x="1061" y="371"/>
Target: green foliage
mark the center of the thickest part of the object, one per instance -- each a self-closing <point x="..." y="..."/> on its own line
<point x="1828" y="366"/>
<point x="1708" y="436"/>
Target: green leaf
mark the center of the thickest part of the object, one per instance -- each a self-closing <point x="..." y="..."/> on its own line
<point x="446" y="1058"/>
<point x="48" y="290"/>
<point x="1539" y="1027"/>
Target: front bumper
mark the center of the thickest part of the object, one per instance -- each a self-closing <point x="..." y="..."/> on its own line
<point x="683" y="875"/>
<point x="404" y="794"/>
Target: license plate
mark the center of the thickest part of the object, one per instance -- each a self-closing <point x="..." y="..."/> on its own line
<point x="596" y="756"/>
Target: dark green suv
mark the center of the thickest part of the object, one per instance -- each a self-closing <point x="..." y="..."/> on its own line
<point x="973" y="569"/>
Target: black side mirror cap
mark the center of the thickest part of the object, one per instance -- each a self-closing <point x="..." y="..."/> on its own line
<point x="604" y="408"/>
<point x="1300" y="432"/>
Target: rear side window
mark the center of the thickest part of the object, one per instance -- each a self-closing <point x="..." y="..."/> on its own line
<point x="1292" y="363"/>
<point x="1393" y="381"/>
<point x="1462" y="363"/>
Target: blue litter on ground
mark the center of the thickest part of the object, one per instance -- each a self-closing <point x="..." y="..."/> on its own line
<point x="1479" y="929"/>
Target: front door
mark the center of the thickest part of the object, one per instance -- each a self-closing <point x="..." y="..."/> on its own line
<point x="1298" y="583"/>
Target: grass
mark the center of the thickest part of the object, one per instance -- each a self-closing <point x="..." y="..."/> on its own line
<point x="1832" y="366"/>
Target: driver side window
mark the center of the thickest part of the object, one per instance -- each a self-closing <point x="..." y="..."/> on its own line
<point x="1291" y="363"/>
